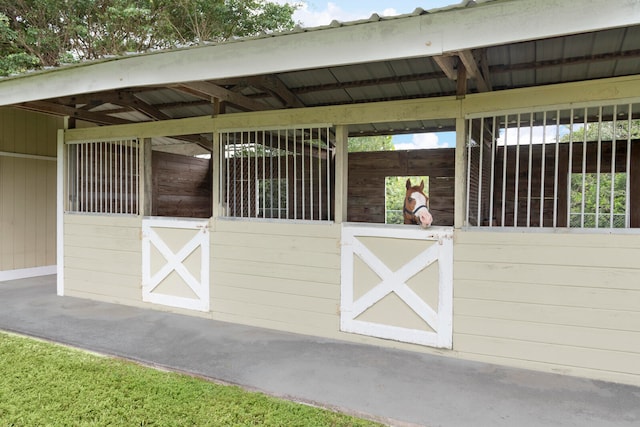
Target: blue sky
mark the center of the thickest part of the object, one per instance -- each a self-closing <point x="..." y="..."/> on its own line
<point x="313" y="13"/>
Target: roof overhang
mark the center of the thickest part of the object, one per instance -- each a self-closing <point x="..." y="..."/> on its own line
<point x="430" y="34"/>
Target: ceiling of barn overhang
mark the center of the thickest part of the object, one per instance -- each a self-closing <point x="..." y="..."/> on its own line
<point x="593" y="55"/>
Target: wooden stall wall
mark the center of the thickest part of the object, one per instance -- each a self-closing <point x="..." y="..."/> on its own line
<point x="27" y="192"/>
<point x="368" y="170"/>
<point x="103" y="257"/>
<point x="182" y="186"/>
<point x="279" y="275"/>
<point x="557" y="302"/>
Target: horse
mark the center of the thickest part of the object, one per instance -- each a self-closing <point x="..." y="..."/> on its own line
<point x="416" y="206"/>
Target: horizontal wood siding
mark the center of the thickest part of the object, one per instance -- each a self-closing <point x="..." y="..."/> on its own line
<point x="560" y="302"/>
<point x="27" y="189"/>
<point x="277" y="275"/>
<point x="103" y="258"/>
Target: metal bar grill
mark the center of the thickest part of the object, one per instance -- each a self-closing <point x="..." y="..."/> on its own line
<point x="281" y="173"/>
<point x="103" y="176"/>
<point x="557" y="167"/>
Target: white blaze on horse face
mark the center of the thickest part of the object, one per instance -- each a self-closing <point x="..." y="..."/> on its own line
<point x="423" y="216"/>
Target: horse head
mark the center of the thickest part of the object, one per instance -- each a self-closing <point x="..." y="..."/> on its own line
<point x="416" y="206"/>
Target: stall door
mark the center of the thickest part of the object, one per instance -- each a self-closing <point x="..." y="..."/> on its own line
<point x="397" y="283"/>
<point x="175" y="263"/>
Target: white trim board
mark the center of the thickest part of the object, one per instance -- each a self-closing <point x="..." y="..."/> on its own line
<point x="24" y="273"/>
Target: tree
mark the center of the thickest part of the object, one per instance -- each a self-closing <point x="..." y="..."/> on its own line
<point x="371" y="143"/>
<point x="48" y="32"/>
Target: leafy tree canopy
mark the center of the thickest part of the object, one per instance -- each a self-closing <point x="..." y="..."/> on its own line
<point x="39" y="33"/>
<point x="371" y="143"/>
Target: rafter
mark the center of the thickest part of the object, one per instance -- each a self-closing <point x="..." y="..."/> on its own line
<point x="209" y="91"/>
<point x="76" y="113"/>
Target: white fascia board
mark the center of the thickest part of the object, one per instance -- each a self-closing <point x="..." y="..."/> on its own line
<point x="487" y="24"/>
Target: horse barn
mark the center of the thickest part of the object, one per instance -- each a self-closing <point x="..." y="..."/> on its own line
<point x="215" y="181"/>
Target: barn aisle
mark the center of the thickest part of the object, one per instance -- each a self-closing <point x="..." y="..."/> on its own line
<point x="396" y="387"/>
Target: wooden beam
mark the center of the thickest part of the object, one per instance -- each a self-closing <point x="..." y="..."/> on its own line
<point x="75" y="113"/>
<point x="274" y="85"/>
<point x="461" y="87"/>
<point x="447" y="64"/>
<point x="208" y="90"/>
<point x="473" y="70"/>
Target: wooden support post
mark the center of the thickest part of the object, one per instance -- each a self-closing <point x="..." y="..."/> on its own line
<point x="634" y="191"/>
<point x="147" y="183"/>
<point x="460" y="208"/>
<point x="342" y="170"/>
<point x="216" y="160"/>
<point x="461" y="87"/>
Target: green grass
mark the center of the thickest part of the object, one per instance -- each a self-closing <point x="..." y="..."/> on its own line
<point x="43" y="384"/>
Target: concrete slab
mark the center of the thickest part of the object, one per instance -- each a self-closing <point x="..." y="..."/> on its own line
<point x="398" y="387"/>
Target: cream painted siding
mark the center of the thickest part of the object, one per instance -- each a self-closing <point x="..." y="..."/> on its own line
<point x="103" y="258"/>
<point x="278" y="275"/>
<point x="27" y="189"/>
<point x="560" y="302"/>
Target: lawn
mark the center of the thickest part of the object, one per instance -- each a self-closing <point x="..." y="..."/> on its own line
<point x="44" y="384"/>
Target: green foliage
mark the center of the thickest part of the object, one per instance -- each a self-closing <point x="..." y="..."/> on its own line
<point x="591" y="196"/>
<point x="371" y="143"/>
<point x="45" y="384"/>
<point x="50" y="31"/>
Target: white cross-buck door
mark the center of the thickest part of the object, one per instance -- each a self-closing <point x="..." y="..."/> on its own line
<point x="175" y="263"/>
<point x="397" y="283"/>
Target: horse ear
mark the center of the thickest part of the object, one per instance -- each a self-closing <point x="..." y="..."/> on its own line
<point x="422" y="185"/>
<point x="408" y="184"/>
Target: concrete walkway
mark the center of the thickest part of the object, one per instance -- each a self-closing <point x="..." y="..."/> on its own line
<point x="395" y="387"/>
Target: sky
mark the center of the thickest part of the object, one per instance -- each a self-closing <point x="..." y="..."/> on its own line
<point x="314" y="13"/>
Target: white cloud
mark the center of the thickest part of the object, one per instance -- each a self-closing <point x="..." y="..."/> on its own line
<point x="320" y="13"/>
<point x="535" y="135"/>
<point x="422" y="141"/>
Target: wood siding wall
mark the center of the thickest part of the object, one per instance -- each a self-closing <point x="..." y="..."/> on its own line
<point x="368" y="170"/>
<point x="277" y="275"/>
<point x="565" y="303"/>
<point x="27" y="189"/>
<point x="182" y="186"/>
<point x="103" y="258"/>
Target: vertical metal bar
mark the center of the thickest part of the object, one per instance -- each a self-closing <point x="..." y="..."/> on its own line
<point x="627" y="210"/>
<point x="480" y="170"/>
<point x="529" y="171"/>
<point x="279" y="178"/>
<point x="613" y="167"/>
<point x="246" y="153"/>
<point x="303" y="177"/>
<point x="227" y="156"/>
<point x="256" y="180"/>
<point x="286" y="165"/>
<point x="493" y="169"/>
<point x="264" y="181"/>
<point x="311" y="178"/>
<point x="504" y="170"/>
<point x="328" y="166"/>
<point x="295" y="174"/>
<point x="598" y="166"/>
<point x="555" y="175"/>
<point x="570" y="168"/>
<point x="320" y="173"/>
<point x="83" y="176"/>
<point x="242" y="177"/>
<point x="584" y="166"/>
<point x="110" y="178"/>
<point x="543" y="166"/>
<point x="517" y="177"/>
<point x="469" y="169"/>
<point x="271" y="181"/>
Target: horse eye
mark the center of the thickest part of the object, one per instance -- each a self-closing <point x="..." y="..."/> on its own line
<point x="410" y="199"/>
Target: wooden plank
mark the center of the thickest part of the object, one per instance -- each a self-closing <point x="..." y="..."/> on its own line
<point x="278" y="257"/>
<point x="561" y="335"/>
<point x="104" y="220"/>
<point x="548" y="238"/>
<point x="558" y="275"/>
<point x="278" y="227"/>
<point x="292" y="243"/>
<point x="264" y="269"/>
<point x="551" y="255"/>
<point x="277" y="300"/>
<point x="554" y="315"/>
<point x="619" y="362"/>
<point x="277" y="285"/>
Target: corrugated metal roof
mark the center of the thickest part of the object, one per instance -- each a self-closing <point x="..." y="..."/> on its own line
<point x="583" y="56"/>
